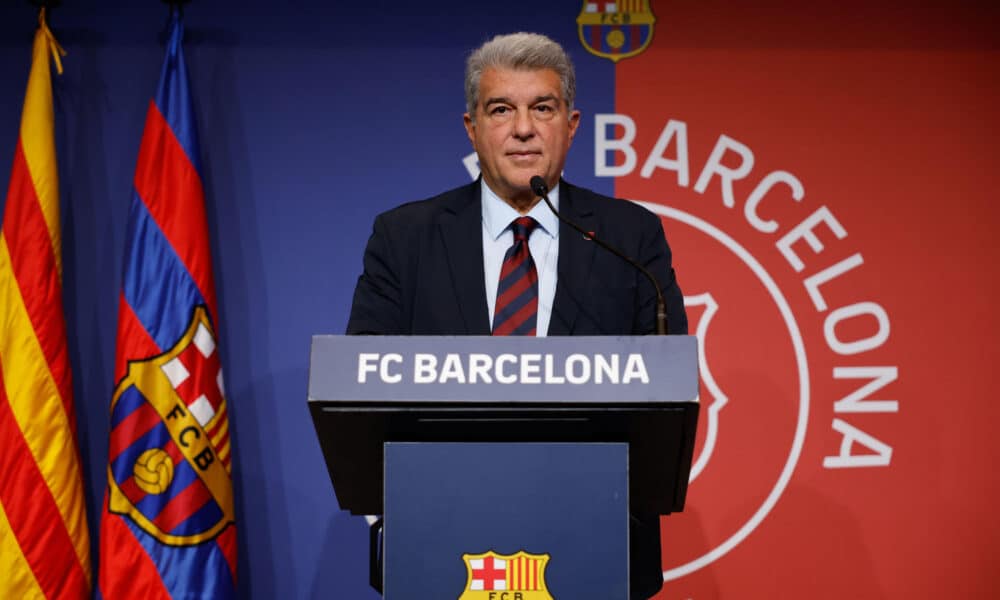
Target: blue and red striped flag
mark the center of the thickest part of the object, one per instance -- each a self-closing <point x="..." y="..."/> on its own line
<point x="168" y="528"/>
<point x="44" y="546"/>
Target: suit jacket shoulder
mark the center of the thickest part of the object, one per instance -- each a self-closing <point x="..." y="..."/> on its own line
<point x="423" y="213"/>
<point x="423" y="269"/>
<point x="599" y="293"/>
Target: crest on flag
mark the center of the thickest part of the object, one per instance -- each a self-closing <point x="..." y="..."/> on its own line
<point x="169" y="456"/>
<point x="522" y="575"/>
<point x="617" y="29"/>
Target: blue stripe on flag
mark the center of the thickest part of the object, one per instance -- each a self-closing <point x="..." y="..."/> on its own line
<point x="128" y="402"/>
<point x="156" y="283"/>
<point x="189" y="571"/>
<point x="173" y="94"/>
<point x="203" y="519"/>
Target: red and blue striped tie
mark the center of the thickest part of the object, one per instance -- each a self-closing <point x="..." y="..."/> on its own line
<point x="517" y="295"/>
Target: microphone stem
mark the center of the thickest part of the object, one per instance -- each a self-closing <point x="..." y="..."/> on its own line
<point x="661" y="306"/>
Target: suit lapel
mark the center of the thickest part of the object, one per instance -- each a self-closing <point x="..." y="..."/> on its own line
<point x="576" y="254"/>
<point x="460" y="225"/>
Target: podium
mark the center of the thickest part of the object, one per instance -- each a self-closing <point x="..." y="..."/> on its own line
<point x="506" y="467"/>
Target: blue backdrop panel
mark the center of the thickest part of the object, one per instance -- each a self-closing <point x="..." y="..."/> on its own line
<point x="314" y="116"/>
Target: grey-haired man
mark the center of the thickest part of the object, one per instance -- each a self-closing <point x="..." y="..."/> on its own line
<point x="434" y="267"/>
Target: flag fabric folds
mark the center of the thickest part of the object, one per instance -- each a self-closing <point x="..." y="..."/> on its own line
<point x="44" y="544"/>
<point x="168" y="528"/>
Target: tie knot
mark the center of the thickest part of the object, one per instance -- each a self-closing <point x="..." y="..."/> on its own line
<point x="522" y="228"/>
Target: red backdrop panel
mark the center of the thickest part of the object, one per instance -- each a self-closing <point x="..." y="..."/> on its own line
<point x="892" y="145"/>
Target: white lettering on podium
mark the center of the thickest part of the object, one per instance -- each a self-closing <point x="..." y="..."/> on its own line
<point x="635" y="368"/>
<point x="527" y="369"/>
<point x="424" y="368"/>
<point x="530" y="368"/>
<point x="574" y="362"/>
<point x="550" y="372"/>
<point x="606" y="366"/>
<point x="366" y="365"/>
<point x="383" y="368"/>
<point x="479" y="368"/>
<point x="500" y="375"/>
<point x="452" y="369"/>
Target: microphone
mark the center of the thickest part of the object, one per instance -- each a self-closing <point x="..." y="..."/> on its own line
<point x="541" y="189"/>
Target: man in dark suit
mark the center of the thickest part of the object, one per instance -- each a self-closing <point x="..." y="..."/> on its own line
<point x="489" y="257"/>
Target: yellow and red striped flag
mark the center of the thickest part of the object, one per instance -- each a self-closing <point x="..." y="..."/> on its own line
<point x="44" y="544"/>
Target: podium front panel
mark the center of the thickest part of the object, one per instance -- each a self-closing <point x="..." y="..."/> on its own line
<point x="566" y="501"/>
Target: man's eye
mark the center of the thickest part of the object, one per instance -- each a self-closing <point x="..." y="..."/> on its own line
<point x="499" y="110"/>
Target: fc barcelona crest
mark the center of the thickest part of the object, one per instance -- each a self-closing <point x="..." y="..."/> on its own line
<point x="169" y="454"/>
<point x="493" y="576"/>
<point x="617" y="29"/>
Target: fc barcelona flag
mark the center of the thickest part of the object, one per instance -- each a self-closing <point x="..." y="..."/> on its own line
<point x="168" y="529"/>
<point x="44" y="546"/>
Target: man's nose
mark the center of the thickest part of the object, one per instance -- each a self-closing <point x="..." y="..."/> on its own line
<point x="524" y="128"/>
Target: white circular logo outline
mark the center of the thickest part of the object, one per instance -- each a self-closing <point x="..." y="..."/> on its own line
<point x="803" y="373"/>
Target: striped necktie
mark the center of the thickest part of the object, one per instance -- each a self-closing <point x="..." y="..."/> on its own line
<point x="517" y="295"/>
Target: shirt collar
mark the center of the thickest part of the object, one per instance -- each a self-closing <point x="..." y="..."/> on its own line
<point x="497" y="214"/>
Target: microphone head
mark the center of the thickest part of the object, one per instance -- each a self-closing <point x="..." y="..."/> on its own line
<point x="539" y="186"/>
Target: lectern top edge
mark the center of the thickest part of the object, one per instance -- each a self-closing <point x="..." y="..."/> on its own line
<point x="557" y="370"/>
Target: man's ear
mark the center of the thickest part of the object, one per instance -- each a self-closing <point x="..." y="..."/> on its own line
<point x="574" y="122"/>
<point x="470" y="128"/>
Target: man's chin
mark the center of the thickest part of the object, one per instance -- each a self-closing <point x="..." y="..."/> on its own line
<point x="523" y="177"/>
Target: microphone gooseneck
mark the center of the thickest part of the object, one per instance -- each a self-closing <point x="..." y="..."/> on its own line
<point x="541" y="189"/>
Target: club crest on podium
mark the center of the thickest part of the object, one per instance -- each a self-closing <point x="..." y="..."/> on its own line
<point x="492" y="576"/>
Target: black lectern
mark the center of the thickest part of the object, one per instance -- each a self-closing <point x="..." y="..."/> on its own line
<point x="506" y="466"/>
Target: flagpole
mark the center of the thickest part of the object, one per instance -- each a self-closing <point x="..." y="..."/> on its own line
<point x="178" y="4"/>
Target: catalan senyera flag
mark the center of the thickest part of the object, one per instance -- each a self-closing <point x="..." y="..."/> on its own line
<point x="168" y="528"/>
<point x="44" y="545"/>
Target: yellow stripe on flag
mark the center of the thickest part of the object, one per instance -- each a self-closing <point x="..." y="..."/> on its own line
<point x="38" y="140"/>
<point x="45" y="550"/>
<point x="38" y="409"/>
<point x="18" y="580"/>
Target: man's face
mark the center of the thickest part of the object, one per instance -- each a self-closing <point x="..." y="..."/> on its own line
<point x="522" y="128"/>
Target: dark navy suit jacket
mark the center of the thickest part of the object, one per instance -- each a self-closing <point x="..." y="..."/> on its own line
<point x="423" y="270"/>
<point x="423" y="275"/>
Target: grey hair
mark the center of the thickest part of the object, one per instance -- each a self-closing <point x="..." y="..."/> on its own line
<point x="521" y="51"/>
